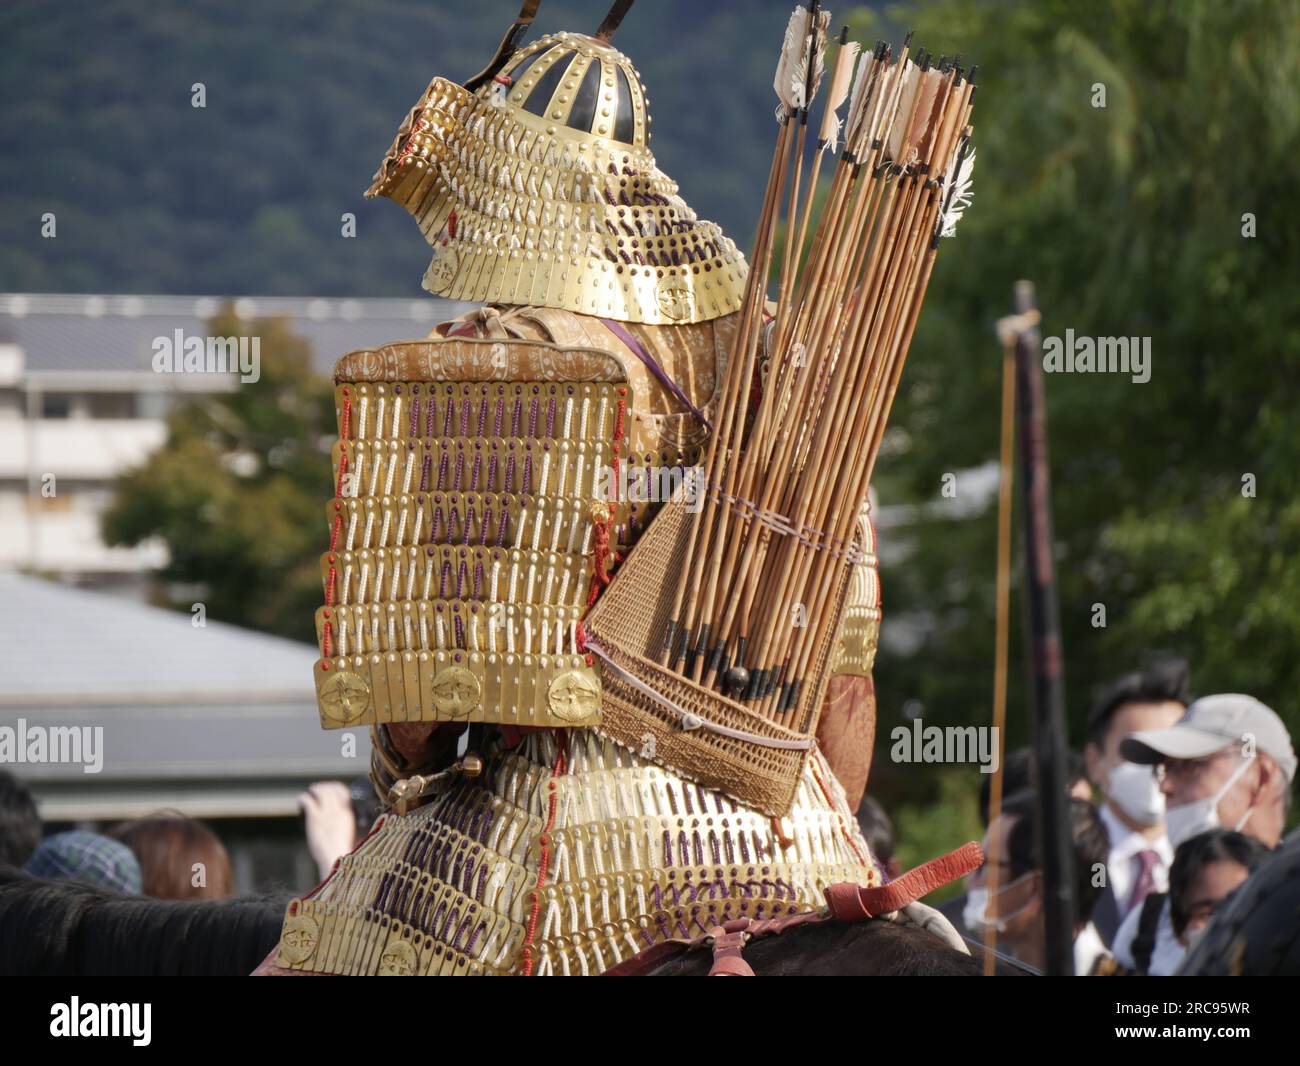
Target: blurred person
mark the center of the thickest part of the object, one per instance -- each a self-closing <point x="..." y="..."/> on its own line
<point x="331" y="823"/>
<point x="1018" y="776"/>
<point x="1207" y="869"/>
<point x="90" y="858"/>
<point x="1133" y="807"/>
<point x="1255" y="932"/>
<point x="878" y="829"/>
<point x="1015" y="907"/>
<point x="1228" y="761"/>
<point x="180" y="858"/>
<point x="20" y="824"/>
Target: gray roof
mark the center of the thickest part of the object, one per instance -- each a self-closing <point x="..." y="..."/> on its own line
<point x="65" y="644"/>
<point x="61" y="333"/>
<point x="219" y="721"/>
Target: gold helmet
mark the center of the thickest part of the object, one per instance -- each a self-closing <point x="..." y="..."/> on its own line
<point x="536" y="186"/>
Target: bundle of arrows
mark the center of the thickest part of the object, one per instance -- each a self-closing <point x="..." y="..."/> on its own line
<point x="798" y="430"/>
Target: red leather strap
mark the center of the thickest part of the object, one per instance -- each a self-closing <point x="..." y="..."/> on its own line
<point x="853" y="903"/>
<point x="730" y="966"/>
<point x="647" y="959"/>
<point x="728" y="943"/>
<point x="846" y="902"/>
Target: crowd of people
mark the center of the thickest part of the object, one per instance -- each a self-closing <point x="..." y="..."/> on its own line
<point x="163" y="856"/>
<point x="1193" y="799"/>
<point x="1173" y="805"/>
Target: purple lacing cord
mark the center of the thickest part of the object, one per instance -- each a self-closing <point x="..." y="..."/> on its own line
<point x="653" y="366"/>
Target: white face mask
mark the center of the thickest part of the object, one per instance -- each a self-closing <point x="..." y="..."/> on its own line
<point x="974" y="914"/>
<point x="1190" y="819"/>
<point x="1135" y="790"/>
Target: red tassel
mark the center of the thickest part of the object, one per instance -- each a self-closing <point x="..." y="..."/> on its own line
<point x="601" y="559"/>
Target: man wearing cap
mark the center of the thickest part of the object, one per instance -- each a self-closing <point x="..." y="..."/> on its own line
<point x="1134" y="808"/>
<point x="1227" y="762"/>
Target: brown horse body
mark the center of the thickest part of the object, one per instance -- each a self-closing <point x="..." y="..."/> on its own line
<point x="69" y="929"/>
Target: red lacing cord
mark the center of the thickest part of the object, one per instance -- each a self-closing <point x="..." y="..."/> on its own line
<point x="601" y="554"/>
<point x="866" y="860"/>
<point x="544" y="864"/>
<point x="331" y="585"/>
<point x="618" y="434"/>
<point x="600" y="559"/>
<point x="581" y="640"/>
<point x="409" y="146"/>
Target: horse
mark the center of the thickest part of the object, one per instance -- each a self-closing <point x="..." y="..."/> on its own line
<point x="70" y="929"/>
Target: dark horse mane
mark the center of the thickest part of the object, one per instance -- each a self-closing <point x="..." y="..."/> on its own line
<point x="65" y="928"/>
<point x="836" y="949"/>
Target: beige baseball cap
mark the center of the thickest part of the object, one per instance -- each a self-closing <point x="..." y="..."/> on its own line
<point x="1211" y="724"/>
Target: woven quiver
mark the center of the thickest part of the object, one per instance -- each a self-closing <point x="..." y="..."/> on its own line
<point x="698" y="732"/>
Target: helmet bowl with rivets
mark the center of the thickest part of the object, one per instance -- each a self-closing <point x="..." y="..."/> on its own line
<point x="539" y="188"/>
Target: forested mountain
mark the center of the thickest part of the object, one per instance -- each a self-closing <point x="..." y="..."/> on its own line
<point x="303" y="98"/>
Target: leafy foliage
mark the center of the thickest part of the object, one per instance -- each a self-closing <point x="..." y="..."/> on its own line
<point x="237" y="491"/>
<point x="1130" y="219"/>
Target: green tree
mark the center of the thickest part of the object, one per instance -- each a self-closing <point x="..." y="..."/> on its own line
<point x="236" y="492"/>
<point x="1134" y="220"/>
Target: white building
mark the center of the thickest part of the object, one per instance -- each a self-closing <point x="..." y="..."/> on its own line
<point x="80" y="403"/>
<point x="217" y="722"/>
